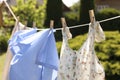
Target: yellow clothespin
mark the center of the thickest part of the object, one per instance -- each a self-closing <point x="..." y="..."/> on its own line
<point x="51" y="24"/>
<point x="63" y="23"/>
<point x="92" y="16"/>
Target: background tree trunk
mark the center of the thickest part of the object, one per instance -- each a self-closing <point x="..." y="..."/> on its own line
<point x="85" y="6"/>
<point x="53" y="12"/>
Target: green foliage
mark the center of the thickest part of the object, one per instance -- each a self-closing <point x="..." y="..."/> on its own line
<point x="3" y="40"/>
<point x="71" y="18"/>
<point x="30" y="11"/>
<point x="108" y="13"/>
<point x="76" y="7"/>
<point x="74" y="14"/>
<point x="7" y="20"/>
<point x="107" y="51"/>
<point x="3" y="43"/>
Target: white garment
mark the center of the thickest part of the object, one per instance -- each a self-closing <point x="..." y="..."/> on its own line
<point x="82" y="64"/>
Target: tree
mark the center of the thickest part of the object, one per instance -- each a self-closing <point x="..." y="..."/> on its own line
<point x="85" y="6"/>
<point x="53" y="12"/>
<point x="28" y="11"/>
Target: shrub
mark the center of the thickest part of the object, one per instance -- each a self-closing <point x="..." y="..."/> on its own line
<point x="108" y="13"/>
<point x="4" y="36"/>
<point x="3" y="43"/>
<point x="30" y="11"/>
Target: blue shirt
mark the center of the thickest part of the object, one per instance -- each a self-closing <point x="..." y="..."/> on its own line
<point x="17" y="37"/>
<point x="35" y="60"/>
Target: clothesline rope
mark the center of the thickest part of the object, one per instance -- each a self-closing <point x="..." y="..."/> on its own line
<point x="10" y="9"/>
<point x="88" y="23"/>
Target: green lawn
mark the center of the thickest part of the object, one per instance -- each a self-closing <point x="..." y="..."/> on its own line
<point x="107" y="51"/>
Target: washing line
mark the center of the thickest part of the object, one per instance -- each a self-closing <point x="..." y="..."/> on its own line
<point x="89" y="23"/>
<point x="82" y="25"/>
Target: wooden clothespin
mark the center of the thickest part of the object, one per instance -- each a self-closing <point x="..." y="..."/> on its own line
<point x="92" y="16"/>
<point x="17" y="23"/>
<point x="25" y="25"/>
<point x="63" y="23"/>
<point x="51" y="24"/>
<point x="34" y="24"/>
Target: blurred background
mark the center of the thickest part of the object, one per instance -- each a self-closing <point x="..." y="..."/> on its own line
<point x="76" y="12"/>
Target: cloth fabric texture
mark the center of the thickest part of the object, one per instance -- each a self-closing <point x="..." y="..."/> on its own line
<point x="82" y="64"/>
<point x="31" y="61"/>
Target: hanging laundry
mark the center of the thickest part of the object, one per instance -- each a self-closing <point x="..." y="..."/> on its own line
<point x="17" y="37"/>
<point x="18" y="26"/>
<point x="34" y="62"/>
<point x="82" y="64"/>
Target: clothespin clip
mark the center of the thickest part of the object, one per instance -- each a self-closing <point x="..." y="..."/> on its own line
<point x="34" y="24"/>
<point x="92" y="16"/>
<point x="51" y="24"/>
<point x="25" y="25"/>
<point x="63" y="23"/>
<point x="17" y="22"/>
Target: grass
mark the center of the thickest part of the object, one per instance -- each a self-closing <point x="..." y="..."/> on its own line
<point x="108" y="52"/>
